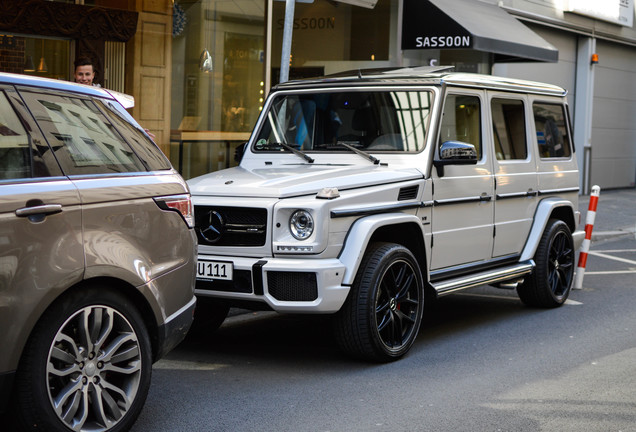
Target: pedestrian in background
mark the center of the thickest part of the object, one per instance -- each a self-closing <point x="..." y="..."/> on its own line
<point x="85" y="71"/>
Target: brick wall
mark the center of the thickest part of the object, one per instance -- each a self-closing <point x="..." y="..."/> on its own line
<point x="12" y="54"/>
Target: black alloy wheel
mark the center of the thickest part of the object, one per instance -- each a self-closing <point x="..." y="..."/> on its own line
<point x="550" y="284"/>
<point x="383" y="313"/>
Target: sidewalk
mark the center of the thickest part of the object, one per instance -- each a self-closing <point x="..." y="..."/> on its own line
<point x="615" y="213"/>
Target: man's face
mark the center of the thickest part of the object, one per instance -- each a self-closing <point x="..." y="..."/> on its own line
<point x="84" y="74"/>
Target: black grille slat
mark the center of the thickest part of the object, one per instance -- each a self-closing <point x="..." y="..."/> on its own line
<point x="408" y="193"/>
<point x="292" y="286"/>
<point x="231" y="226"/>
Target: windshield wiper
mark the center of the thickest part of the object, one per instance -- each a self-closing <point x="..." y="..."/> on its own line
<point x="295" y="151"/>
<point x="364" y="154"/>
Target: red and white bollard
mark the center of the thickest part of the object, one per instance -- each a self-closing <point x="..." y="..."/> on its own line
<point x="585" y="247"/>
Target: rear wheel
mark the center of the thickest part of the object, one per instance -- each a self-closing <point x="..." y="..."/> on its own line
<point x="383" y="313"/>
<point x="549" y="284"/>
<point x="86" y="367"/>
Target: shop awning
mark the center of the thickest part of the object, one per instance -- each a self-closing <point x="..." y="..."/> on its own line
<point x="472" y="24"/>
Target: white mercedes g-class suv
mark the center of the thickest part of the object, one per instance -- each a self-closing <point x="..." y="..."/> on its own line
<point x="359" y="195"/>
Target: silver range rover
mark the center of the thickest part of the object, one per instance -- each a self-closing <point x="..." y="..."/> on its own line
<point x="366" y="194"/>
<point x="97" y="257"/>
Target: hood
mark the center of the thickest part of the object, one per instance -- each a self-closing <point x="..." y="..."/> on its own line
<point x="294" y="180"/>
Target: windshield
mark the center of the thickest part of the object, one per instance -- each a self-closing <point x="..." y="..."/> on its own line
<point x="377" y="121"/>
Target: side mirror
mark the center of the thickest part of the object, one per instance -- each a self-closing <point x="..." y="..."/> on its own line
<point x="455" y="153"/>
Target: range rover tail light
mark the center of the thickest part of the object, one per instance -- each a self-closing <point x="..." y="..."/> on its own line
<point x="181" y="204"/>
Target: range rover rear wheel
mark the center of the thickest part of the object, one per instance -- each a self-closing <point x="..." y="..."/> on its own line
<point x="86" y="367"/>
<point x="383" y="313"/>
<point x="549" y="284"/>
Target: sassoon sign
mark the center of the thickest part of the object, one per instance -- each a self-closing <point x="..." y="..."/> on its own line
<point x="424" y="26"/>
<point x="442" y="42"/>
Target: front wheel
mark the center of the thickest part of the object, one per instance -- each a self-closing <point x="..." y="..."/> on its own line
<point x="549" y="284"/>
<point x="383" y="313"/>
<point x="86" y="367"/>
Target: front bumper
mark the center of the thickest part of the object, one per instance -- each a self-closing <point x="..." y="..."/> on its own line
<point x="284" y="284"/>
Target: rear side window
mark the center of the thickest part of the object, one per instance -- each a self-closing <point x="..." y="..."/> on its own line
<point x="552" y="138"/>
<point x="144" y="148"/>
<point x="82" y="138"/>
<point x="509" y="129"/>
<point x="462" y="121"/>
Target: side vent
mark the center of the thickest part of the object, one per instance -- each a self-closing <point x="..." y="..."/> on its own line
<point x="408" y="193"/>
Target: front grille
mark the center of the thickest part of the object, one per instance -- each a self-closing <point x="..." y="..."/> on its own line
<point x="242" y="283"/>
<point x="292" y="286"/>
<point x="230" y="226"/>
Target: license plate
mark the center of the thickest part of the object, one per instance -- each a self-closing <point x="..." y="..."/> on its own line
<point x="214" y="270"/>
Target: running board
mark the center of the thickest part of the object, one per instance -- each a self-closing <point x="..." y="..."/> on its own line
<point x="499" y="274"/>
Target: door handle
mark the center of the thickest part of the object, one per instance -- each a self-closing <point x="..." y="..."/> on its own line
<point x="44" y="209"/>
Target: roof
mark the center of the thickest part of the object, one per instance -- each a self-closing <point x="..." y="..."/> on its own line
<point x="425" y="75"/>
<point x="127" y="101"/>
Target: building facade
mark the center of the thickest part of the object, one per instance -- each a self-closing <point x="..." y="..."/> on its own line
<point x="200" y="69"/>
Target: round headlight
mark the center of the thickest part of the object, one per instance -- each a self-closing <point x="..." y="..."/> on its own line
<point x="301" y="224"/>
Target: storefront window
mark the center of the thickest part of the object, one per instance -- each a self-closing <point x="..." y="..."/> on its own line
<point x="47" y="58"/>
<point x="330" y="37"/>
<point x="217" y="80"/>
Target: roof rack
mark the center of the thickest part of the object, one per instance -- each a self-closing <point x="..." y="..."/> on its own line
<point x="383" y="72"/>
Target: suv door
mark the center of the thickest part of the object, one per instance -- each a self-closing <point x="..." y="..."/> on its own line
<point x="463" y="196"/>
<point x="40" y="226"/>
<point x="115" y="169"/>
<point x="515" y="173"/>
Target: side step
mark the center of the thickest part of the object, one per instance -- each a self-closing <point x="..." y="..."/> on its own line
<point x="499" y="274"/>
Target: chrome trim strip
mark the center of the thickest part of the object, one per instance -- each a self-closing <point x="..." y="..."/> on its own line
<point x="517" y="195"/>
<point x="512" y="195"/>
<point x="374" y="210"/>
<point x="461" y="200"/>
<point x="557" y="191"/>
<point x="181" y="310"/>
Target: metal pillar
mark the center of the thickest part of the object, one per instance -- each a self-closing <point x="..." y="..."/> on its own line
<point x="287" y="40"/>
<point x="583" y="108"/>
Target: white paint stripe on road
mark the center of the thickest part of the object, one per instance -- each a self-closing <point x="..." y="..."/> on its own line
<point x="616" y="250"/>
<point x="602" y="255"/>
<point x="611" y="272"/>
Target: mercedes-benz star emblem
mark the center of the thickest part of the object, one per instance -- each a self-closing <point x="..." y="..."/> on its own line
<point x="215" y="229"/>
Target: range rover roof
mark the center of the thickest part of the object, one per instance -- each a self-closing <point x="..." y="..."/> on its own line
<point x="125" y="100"/>
<point x="428" y="75"/>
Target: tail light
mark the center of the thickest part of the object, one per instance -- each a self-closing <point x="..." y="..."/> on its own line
<point x="181" y="204"/>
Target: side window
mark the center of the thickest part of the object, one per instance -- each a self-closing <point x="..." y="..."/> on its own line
<point x="552" y="138"/>
<point x="15" y="151"/>
<point x="83" y="140"/>
<point x="462" y="121"/>
<point x="509" y="129"/>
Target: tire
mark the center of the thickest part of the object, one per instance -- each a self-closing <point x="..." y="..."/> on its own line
<point x="549" y="284"/>
<point x="383" y="313"/>
<point x="208" y="315"/>
<point x="89" y="356"/>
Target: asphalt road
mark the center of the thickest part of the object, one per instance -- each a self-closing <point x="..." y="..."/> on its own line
<point x="482" y="362"/>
